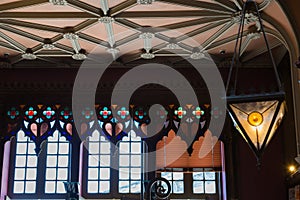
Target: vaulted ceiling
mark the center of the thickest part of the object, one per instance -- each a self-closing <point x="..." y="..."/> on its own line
<point x="68" y="30"/>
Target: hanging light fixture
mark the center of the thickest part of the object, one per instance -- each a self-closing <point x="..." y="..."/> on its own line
<point x="256" y="117"/>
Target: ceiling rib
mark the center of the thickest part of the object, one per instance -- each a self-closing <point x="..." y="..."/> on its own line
<point x="85" y="25"/>
<point x="57" y="38"/>
<point x="16" y="59"/>
<point x="121" y="7"/>
<point x="128" y="24"/>
<point x="13" y="42"/>
<point x="224" y="41"/>
<point x="226" y="4"/>
<point x="22" y="33"/>
<point x="127" y="39"/>
<point x="238" y="4"/>
<point x="31" y="25"/>
<point x="21" y="4"/>
<point x="261" y="50"/>
<point x="64" y="48"/>
<point x="93" y="40"/>
<point x="104" y="6"/>
<point x="46" y="15"/>
<point x="199" y="31"/>
<point x="217" y="34"/>
<point x="198" y="4"/>
<point x="8" y="46"/>
<point x="193" y="23"/>
<point x="86" y="7"/>
<point x="264" y="4"/>
<point x="37" y="48"/>
<point x="244" y="45"/>
<point x="171" y="14"/>
<point x="54" y="53"/>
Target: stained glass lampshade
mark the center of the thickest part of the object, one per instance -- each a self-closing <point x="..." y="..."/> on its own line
<point x="257" y="122"/>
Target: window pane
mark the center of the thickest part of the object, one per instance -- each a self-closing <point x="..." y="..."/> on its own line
<point x="52" y="148"/>
<point x="63" y="161"/>
<point x="198" y="187"/>
<point x="135" y="186"/>
<point x="60" y="187"/>
<point x="93" y="161"/>
<point x="50" y="187"/>
<point x="20" y="161"/>
<point x="124" y="147"/>
<point x="50" y="174"/>
<point x="92" y="187"/>
<point x="177" y="175"/>
<point x="178" y="187"/>
<point x="105" y="160"/>
<point x="136" y="160"/>
<point x="62" y="174"/>
<point x="105" y="148"/>
<point x="21" y="148"/>
<point x="19" y="187"/>
<point x="63" y="148"/>
<point x="31" y="147"/>
<point x="104" y="173"/>
<point x="124" y="173"/>
<point x="104" y="187"/>
<point x="124" y="160"/>
<point x="19" y="174"/>
<point x="94" y="148"/>
<point x="167" y="175"/>
<point x="123" y="186"/>
<point x="135" y="173"/>
<point x="32" y="161"/>
<point x="198" y="175"/>
<point x="135" y="148"/>
<point x="93" y="174"/>
<point x="31" y="174"/>
<point x="210" y="187"/>
<point x="209" y="175"/>
<point x="51" y="161"/>
<point x="30" y="187"/>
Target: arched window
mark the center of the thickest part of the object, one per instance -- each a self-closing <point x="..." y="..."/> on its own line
<point x="130" y="164"/>
<point x="57" y="163"/>
<point x="99" y="162"/>
<point x="25" y="169"/>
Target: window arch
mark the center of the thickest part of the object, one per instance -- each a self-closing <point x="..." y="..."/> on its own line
<point x="25" y="168"/>
<point x="57" y="163"/>
<point x="99" y="162"/>
<point x="130" y="163"/>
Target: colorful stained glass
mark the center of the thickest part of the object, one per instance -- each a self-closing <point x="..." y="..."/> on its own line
<point x="123" y="113"/>
<point x="31" y="113"/>
<point x="162" y="113"/>
<point x="13" y="113"/>
<point x="140" y="113"/>
<point x="105" y="113"/>
<point x="216" y="113"/>
<point x="198" y="112"/>
<point x="48" y="113"/>
<point x="87" y="113"/>
<point x="66" y="113"/>
<point x="180" y="112"/>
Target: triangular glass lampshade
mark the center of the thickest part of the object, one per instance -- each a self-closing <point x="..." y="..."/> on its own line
<point x="257" y="122"/>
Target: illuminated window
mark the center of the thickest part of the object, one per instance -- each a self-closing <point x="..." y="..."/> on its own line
<point x="204" y="182"/>
<point x="57" y="163"/>
<point x="130" y="164"/>
<point x="25" y="171"/>
<point x="176" y="179"/>
<point x="98" y="177"/>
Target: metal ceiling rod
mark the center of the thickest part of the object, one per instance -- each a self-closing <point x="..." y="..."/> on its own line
<point x="104" y="6"/>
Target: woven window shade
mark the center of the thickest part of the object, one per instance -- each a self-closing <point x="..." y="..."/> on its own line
<point x="171" y="152"/>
